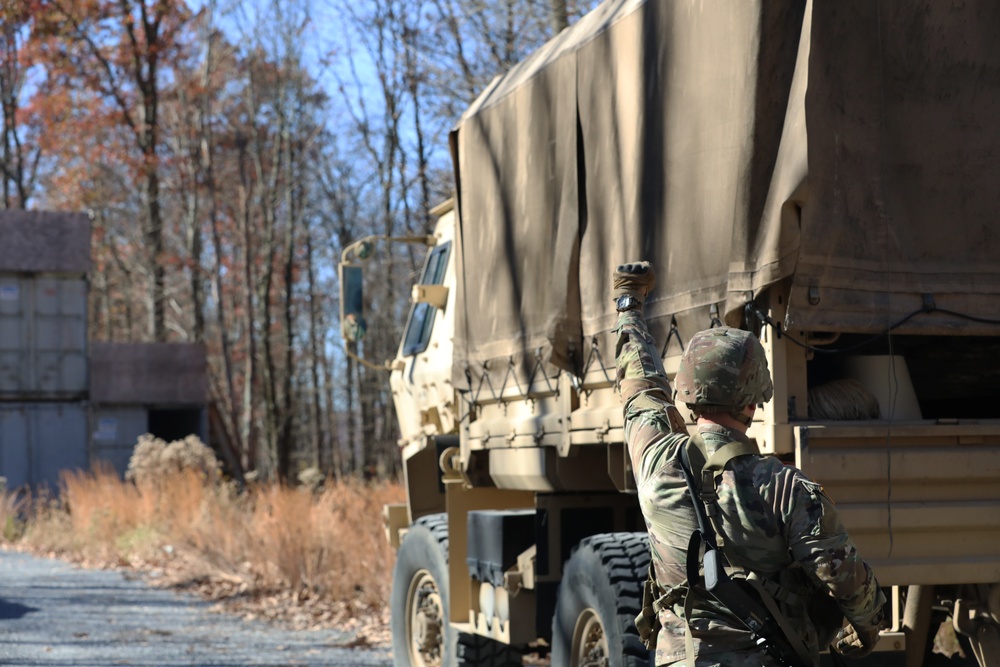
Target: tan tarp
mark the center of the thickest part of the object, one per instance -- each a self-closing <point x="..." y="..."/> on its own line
<point x="850" y="146"/>
<point x="904" y="166"/>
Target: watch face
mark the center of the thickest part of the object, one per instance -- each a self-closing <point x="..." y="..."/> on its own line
<point x="626" y="302"/>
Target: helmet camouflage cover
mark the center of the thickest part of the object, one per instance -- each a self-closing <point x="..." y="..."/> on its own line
<point x="723" y="367"/>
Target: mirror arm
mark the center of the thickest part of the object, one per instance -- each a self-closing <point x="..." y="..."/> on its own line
<point x="367" y="364"/>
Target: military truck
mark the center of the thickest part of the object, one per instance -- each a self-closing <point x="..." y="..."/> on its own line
<point x="822" y="173"/>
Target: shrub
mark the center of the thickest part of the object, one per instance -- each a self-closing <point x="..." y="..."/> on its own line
<point x="155" y="459"/>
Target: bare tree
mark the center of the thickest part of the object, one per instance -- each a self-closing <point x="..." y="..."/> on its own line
<point x="19" y="165"/>
<point x="117" y="49"/>
<point x="248" y="181"/>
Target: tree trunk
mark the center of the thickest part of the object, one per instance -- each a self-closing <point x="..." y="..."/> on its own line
<point x="294" y="205"/>
<point x="154" y="248"/>
<point x="315" y="433"/>
<point x="558" y="16"/>
<point x="248" y="430"/>
<point x="17" y="182"/>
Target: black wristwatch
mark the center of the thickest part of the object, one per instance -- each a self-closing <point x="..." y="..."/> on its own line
<point x="627" y="302"/>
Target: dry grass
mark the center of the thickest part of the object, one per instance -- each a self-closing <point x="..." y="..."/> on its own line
<point x="11" y="514"/>
<point x="324" y="551"/>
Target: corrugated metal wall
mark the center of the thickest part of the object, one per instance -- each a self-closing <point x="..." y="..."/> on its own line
<point x="44" y="384"/>
<point x="43" y="337"/>
<point x="38" y="440"/>
<point x="115" y="430"/>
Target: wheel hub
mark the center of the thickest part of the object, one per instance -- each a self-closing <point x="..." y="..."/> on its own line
<point x="424" y="621"/>
<point x="590" y="644"/>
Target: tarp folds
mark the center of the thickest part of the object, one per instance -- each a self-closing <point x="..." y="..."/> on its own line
<point x="850" y="146"/>
<point x="682" y="109"/>
<point x="904" y="144"/>
<point x="520" y="218"/>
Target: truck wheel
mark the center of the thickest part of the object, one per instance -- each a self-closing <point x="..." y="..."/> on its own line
<point x="599" y="597"/>
<point x="421" y="635"/>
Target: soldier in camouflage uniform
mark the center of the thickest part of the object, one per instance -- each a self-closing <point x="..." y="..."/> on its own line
<point x="776" y="522"/>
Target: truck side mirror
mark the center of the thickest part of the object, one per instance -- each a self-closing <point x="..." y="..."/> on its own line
<point x="352" y="307"/>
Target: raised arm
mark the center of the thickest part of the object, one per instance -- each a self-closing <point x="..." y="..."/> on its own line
<point x="642" y="382"/>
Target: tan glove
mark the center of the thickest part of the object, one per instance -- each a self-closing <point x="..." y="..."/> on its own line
<point x="635" y="279"/>
<point x="856" y="643"/>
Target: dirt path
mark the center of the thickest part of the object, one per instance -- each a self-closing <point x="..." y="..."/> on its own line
<point x="55" y="614"/>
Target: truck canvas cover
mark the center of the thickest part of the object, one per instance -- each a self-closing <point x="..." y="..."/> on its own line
<point x="850" y="147"/>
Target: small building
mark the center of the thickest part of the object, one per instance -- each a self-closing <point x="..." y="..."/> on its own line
<point x="64" y="403"/>
<point x="38" y="440"/>
<point x="137" y="388"/>
<point x="44" y="263"/>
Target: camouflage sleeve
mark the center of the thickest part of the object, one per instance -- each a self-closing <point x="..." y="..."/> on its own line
<point x="639" y="368"/>
<point x="820" y="543"/>
<point x="649" y="412"/>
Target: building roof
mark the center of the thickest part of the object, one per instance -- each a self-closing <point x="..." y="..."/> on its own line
<point x="162" y="374"/>
<point x="44" y="241"/>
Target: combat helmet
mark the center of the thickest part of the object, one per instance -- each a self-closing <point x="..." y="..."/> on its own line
<point x="723" y="370"/>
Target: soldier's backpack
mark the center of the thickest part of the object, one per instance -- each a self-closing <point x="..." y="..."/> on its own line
<point x="752" y="599"/>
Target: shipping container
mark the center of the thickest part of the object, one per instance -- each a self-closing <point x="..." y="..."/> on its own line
<point x="43" y="337"/>
<point x="137" y="388"/>
<point x="40" y="440"/>
<point x="114" y="432"/>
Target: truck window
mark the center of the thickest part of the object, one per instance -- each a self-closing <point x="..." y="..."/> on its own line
<point x="418" y="328"/>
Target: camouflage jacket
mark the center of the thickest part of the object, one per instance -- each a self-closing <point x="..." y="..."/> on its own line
<point x="775" y="520"/>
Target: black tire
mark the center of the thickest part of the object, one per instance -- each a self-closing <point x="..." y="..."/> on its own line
<point x="421" y="634"/>
<point x="422" y="567"/>
<point x="599" y="598"/>
<point x="476" y="651"/>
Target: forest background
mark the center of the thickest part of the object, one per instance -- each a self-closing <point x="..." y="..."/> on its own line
<point x="227" y="151"/>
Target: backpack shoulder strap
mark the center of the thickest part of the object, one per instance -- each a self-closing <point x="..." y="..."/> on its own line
<point x="701" y="462"/>
<point x="705" y="467"/>
<point x="723" y="455"/>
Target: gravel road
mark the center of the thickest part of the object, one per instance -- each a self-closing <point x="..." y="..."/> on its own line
<point x="53" y="613"/>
